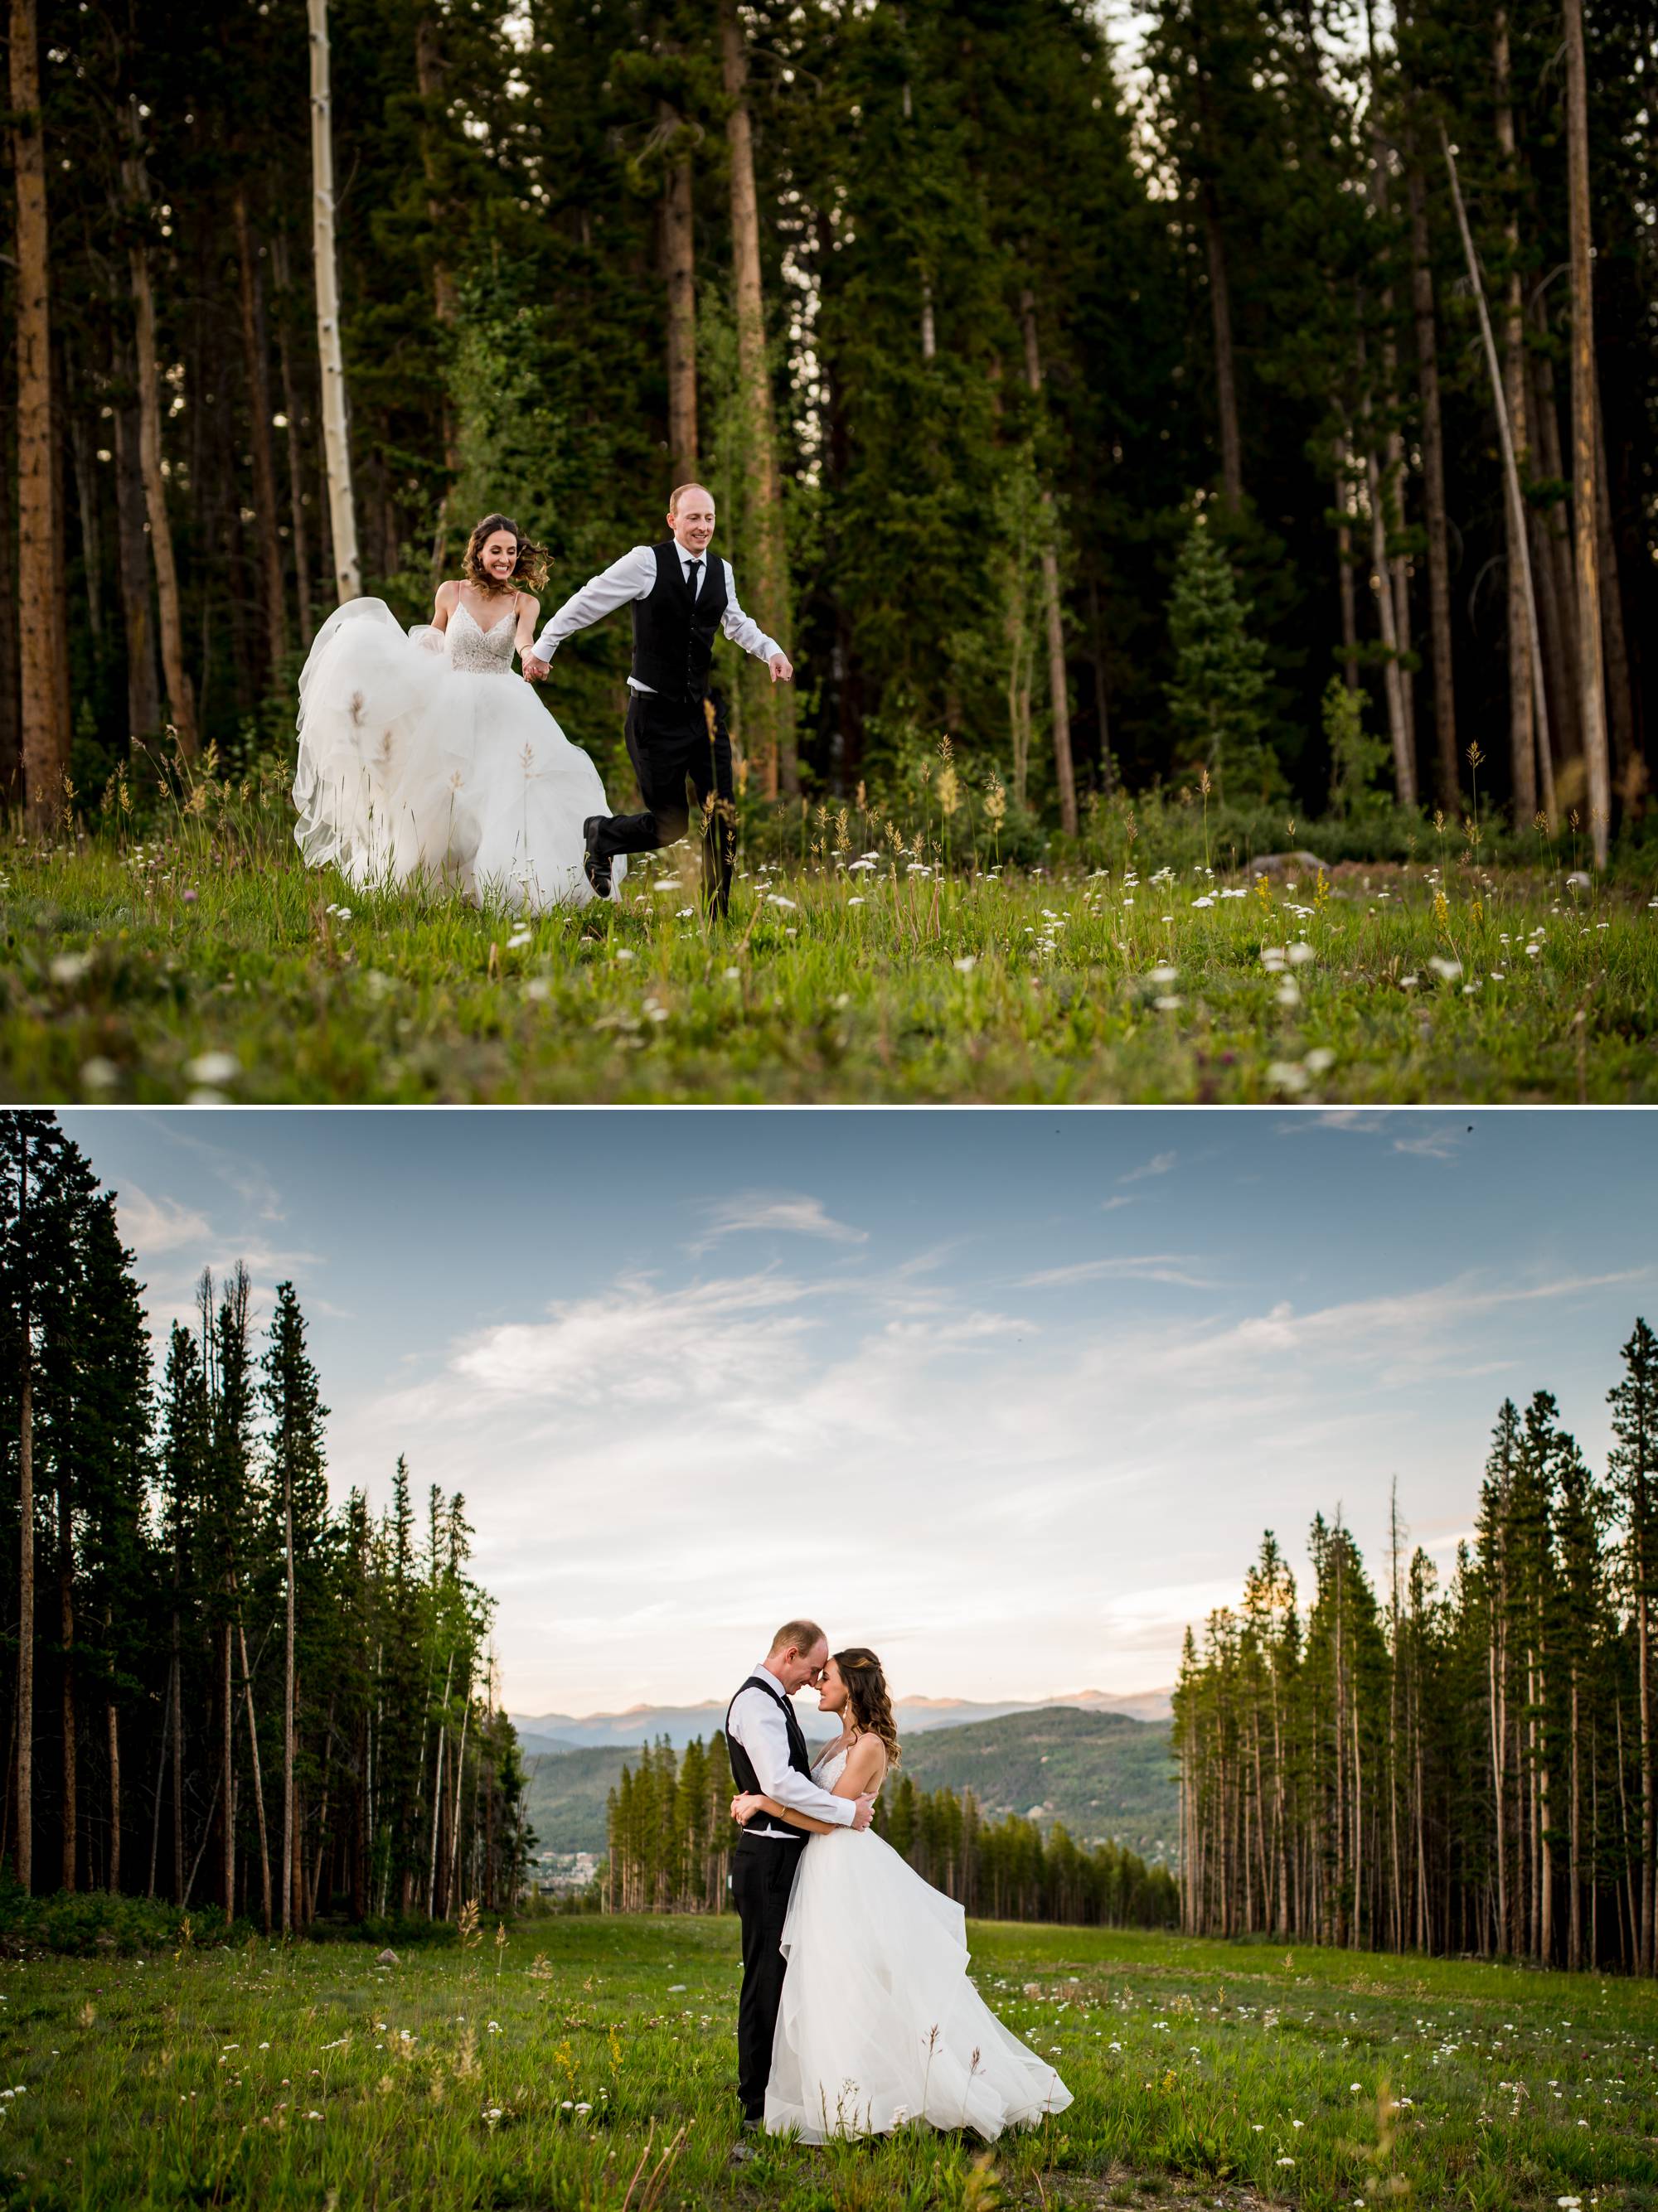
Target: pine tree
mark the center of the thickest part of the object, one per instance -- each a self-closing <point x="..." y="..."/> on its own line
<point x="1217" y="697"/>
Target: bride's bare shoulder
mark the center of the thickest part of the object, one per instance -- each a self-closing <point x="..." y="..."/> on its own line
<point x="449" y="593"/>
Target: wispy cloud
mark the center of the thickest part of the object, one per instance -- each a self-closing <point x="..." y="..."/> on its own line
<point x="1440" y="1144"/>
<point x="1111" y="1205"/>
<point x="760" y="1212"/>
<point x="1137" y="1268"/>
<point x="153" y="1225"/>
<point x="1158" y="1164"/>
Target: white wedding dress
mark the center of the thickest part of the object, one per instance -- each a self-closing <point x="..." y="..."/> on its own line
<point x="878" y="2022"/>
<point x="422" y="757"/>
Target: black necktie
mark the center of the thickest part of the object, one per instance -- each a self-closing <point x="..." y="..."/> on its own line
<point x="694" y="576"/>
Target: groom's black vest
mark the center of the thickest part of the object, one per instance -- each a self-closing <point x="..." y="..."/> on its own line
<point x="672" y="635"/>
<point x="742" y="1766"/>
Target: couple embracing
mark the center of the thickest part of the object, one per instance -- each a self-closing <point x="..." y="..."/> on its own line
<point x="856" y="2013"/>
<point x="422" y="759"/>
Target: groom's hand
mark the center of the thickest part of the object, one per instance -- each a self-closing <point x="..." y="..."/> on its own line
<point x="865" y="1813"/>
<point x="782" y="668"/>
<point x="534" y="669"/>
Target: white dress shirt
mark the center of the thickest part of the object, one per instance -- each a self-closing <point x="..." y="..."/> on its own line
<point x="758" y="1724"/>
<point x="634" y="577"/>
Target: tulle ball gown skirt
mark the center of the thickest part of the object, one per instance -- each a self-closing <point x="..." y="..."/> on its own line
<point x="414" y="770"/>
<point x="880" y="2024"/>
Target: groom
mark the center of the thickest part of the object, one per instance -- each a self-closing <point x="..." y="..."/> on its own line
<point x="768" y="1756"/>
<point x="679" y="598"/>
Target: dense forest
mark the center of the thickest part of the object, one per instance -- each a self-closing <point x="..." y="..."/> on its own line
<point x="1271" y="400"/>
<point x="671" y="1838"/>
<point x="221" y="1690"/>
<point x="1465" y="1770"/>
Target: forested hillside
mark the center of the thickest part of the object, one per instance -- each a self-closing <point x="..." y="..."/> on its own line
<point x="1103" y="1777"/>
<point x="1095" y="410"/>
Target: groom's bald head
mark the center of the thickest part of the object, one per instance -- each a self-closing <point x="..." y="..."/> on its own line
<point x="691" y="517"/>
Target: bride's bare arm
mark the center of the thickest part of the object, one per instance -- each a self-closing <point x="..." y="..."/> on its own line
<point x="443" y="605"/>
<point x="745" y="1807"/>
<point x="525" y="637"/>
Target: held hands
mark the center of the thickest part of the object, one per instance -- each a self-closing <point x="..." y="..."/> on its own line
<point x="866" y="1811"/>
<point x="782" y="668"/>
<point x="534" y="669"/>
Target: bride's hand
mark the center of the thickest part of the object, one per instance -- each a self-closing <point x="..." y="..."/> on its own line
<point x="744" y="1807"/>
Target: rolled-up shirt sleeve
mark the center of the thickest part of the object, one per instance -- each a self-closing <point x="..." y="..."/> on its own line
<point x="758" y="1723"/>
<point x="632" y="577"/>
<point x="744" y="631"/>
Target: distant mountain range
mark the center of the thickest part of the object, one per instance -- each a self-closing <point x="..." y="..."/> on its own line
<point x="543" y="1733"/>
<point x="1104" y="1773"/>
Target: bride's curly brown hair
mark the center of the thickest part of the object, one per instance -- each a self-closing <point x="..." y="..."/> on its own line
<point x="868" y="1701"/>
<point x="529" y="570"/>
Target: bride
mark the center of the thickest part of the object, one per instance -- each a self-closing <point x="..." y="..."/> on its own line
<point x="414" y="767"/>
<point x="878" y="2022"/>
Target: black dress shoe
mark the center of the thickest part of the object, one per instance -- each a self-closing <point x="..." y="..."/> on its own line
<point x="596" y="864"/>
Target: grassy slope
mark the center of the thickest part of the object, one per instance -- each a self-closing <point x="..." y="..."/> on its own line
<point x="124" y="967"/>
<point x="287" y="2080"/>
<point x="1102" y="1775"/>
<point x="1099" y="1773"/>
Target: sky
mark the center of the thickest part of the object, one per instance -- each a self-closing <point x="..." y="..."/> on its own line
<point x="1008" y="1395"/>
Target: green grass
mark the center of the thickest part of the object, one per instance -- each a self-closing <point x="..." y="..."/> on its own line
<point x="208" y="961"/>
<point x="540" y="2075"/>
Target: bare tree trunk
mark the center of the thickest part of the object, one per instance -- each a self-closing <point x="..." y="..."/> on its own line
<point x="1574" y="1921"/>
<point x="1586" y="531"/>
<point x="429" y="81"/>
<point x="1392" y="675"/>
<point x="178" y="1768"/>
<point x="1226" y="380"/>
<point x="227" y="1780"/>
<point x="258" y="379"/>
<point x="1551" y="559"/>
<point x="759" y="436"/>
<point x="1101" y="704"/>
<point x="1448" y="777"/>
<point x="44" y="706"/>
<point x="1522" y="733"/>
<point x="336" y="440"/>
<point x="259" y="1776"/>
<point x="1350" y="627"/>
<point x="71" y="1813"/>
<point x="11" y="740"/>
<point x="679" y="277"/>
<point x="26" y="1542"/>
<point x="1516" y="505"/>
<point x="295" y="452"/>
<point x="181" y="701"/>
<point x="86" y="499"/>
<point x="143" y="690"/>
<point x="438" y="1786"/>
<point x="288" y="1703"/>
<point x="112" y="1727"/>
<point x="1620" y="697"/>
<point x="1058" y="685"/>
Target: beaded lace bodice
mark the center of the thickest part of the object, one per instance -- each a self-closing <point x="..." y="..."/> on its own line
<point x="478" y="651"/>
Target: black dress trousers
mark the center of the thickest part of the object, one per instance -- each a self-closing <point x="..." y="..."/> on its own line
<point x="763" y="1869"/>
<point x="682" y="756"/>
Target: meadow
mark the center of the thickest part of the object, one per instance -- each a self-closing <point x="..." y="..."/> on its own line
<point x="588" y="2063"/>
<point x="200" y="960"/>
